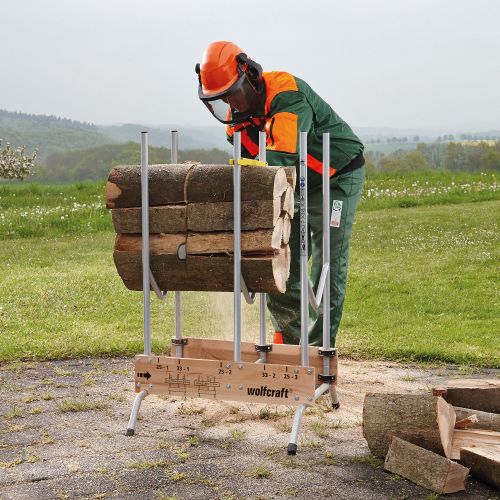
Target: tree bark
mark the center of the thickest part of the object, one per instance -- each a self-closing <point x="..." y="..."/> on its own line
<point x="425" y="468"/>
<point x="166" y="185"/>
<point x="169" y="184"/>
<point x="255" y="214"/>
<point x="429" y="418"/>
<point x="262" y="274"/>
<point x="214" y="183"/>
<point x="485" y="420"/>
<point x="477" y="394"/>
<point x="166" y="219"/>
<point x="484" y="463"/>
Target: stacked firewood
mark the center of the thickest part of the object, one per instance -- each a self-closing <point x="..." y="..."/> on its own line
<point x="191" y="225"/>
<point x="424" y="436"/>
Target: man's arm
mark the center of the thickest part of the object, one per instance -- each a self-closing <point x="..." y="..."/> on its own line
<point x="290" y="114"/>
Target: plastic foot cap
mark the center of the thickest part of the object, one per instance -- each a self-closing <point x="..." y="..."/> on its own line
<point x="292" y="449"/>
<point x="336" y="406"/>
<point x="130" y="432"/>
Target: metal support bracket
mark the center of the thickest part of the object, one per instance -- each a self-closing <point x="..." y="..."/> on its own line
<point x="331" y="353"/>
<point x="249" y="296"/>
<point x="263" y="348"/>
<point x="315" y="300"/>
<point x="154" y="285"/>
<point x="326" y="378"/>
<point x="182" y="341"/>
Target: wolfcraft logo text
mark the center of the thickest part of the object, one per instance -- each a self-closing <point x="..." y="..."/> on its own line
<point x="265" y="392"/>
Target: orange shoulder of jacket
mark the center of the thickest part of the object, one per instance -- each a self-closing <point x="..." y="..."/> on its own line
<point x="277" y="82"/>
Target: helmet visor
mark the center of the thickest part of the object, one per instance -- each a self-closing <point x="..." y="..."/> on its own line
<point x="234" y="105"/>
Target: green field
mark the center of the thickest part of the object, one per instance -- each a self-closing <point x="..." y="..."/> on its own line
<point x="423" y="283"/>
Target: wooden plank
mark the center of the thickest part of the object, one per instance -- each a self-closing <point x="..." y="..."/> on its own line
<point x="422" y="419"/>
<point x="425" y="468"/>
<point x="281" y="354"/>
<point x="165" y="219"/>
<point x="477" y="394"/>
<point x="465" y="438"/>
<point x="255" y="214"/>
<point x="158" y="243"/>
<point x="484" y="463"/>
<point x="222" y="380"/>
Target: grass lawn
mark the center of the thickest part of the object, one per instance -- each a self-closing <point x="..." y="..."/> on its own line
<point x="423" y="283"/>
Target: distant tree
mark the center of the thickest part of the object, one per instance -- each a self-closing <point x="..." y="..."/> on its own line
<point x="14" y="164"/>
<point x="416" y="138"/>
<point x="490" y="161"/>
<point x="404" y="161"/>
<point x="454" y="157"/>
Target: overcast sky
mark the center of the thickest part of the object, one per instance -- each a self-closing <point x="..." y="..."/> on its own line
<point x="398" y="63"/>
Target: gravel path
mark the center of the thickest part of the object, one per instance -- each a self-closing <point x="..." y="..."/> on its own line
<point x="62" y="429"/>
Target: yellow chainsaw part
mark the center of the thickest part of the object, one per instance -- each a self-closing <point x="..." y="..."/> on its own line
<point x="246" y="162"/>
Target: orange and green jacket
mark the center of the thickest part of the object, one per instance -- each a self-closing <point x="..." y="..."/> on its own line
<point x="291" y="107"/>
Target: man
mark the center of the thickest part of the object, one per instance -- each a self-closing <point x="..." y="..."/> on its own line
<point x="239" y="94"/>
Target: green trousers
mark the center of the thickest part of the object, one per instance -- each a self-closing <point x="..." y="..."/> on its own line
<point x="285" y="308"/>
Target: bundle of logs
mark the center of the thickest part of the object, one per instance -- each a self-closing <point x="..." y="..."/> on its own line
<point x="424" y="436"/>
<point x="191" y="225"/>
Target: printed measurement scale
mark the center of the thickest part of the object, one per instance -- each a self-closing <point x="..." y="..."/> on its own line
<point x="226" y="380"/>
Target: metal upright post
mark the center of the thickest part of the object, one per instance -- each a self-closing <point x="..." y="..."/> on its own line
<point x="325" y="303"/>
<point x="262" y="302"/>
<point x="145" y="242"/>
<point x="178" y="303"/>
<point x="304" y="256"/>
<point x="237" y="245"/>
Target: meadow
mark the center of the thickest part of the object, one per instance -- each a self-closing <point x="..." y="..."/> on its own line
<point x="423" y="282"/>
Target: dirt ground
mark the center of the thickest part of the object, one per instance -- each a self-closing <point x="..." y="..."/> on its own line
<point x="62" y="435"/>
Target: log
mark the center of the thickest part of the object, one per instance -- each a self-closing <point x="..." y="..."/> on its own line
<point x="465" y="438"/>
<point x="259" y="214"/>
<point x="287" y="229"/>
<point x="467" y="422"/>
<point x="427" y="416"/>
<point x="425" y="468"/>
<point x="477" y="394"/>
<point x="287" y="201"/>
<point x="214" y="183"/>
<point x="262" y="274"/>
<point x="166" y="185"/>
<point x="260" y="241"/>
<point x="291" y="176"/>
<point x="485" y="420"/>
<point x="484" y="463"/>
<point x="255" y="214"/>
<point x="165" y="219"/>
<point x="169" y="184"/>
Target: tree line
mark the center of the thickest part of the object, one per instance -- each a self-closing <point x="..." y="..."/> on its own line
<point x="453" y="156"/>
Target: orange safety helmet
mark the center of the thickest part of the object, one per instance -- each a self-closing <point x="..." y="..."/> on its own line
<point x="230" y="83"/>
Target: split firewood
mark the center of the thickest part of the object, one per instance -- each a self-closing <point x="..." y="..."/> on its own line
<point x="262" y="274"/>
<point x="477" y="394"/>
<point x="428" y="420"/>
<point x="291" y="176"/>
<point x="287" y="201"/>
<point x="165" y="219"/>
<point x="287" y="229"/>
<point x="484" y="463"/>
<point x="465" y="438"/>
<point x="425" y="468"/>
<point x="485" y="420"/>
<point x="465" y="423"/>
